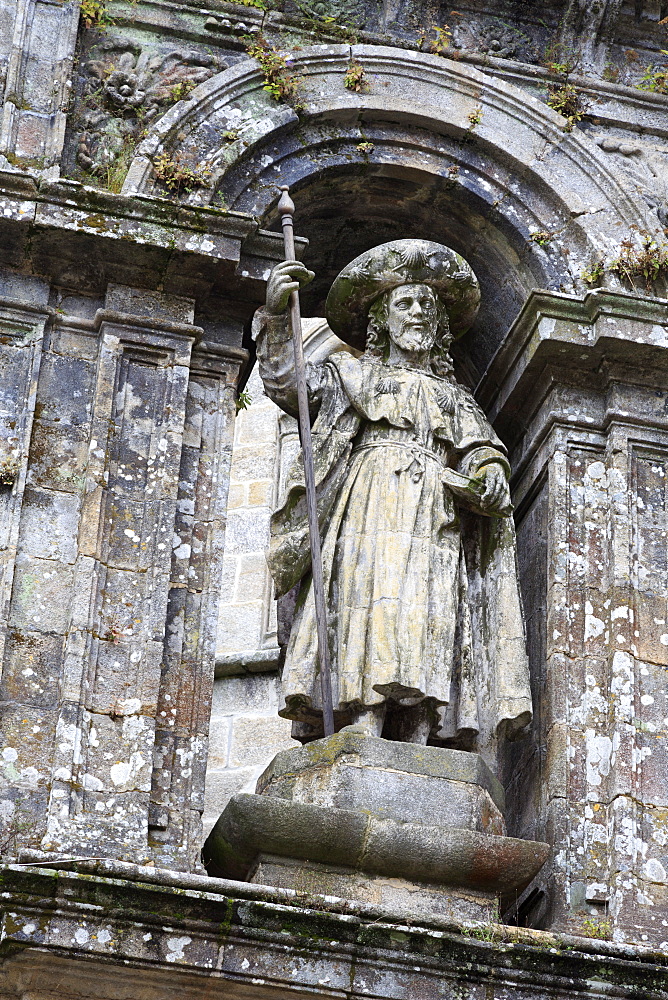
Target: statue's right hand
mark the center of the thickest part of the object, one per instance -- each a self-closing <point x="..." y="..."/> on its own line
<point x="286" y="277"/>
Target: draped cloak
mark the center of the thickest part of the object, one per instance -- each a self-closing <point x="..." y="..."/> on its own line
<point x="422" y="593"/>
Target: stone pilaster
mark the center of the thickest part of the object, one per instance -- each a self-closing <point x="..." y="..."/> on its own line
<point x="119" y="436"/>
<point x="112" y="600"/>
<point x="24" y="696"/>
<point x="580" y="392"/>
<point x="186" y="683"/>
<point x="38" y="84"/>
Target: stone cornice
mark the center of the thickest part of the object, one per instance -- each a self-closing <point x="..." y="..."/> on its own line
<point x="57" y="220"/>
<point x="578" y="339"/>
<point x="103" y="213"/>
<point x="163" y="924"/>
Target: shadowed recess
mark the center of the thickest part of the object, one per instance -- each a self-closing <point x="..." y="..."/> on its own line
<point x="349" y="210"/>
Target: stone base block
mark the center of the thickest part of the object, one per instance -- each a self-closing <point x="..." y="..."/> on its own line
<point x="414" y="827"/>
<point x="391" y="780"/>
<point x="396" y="894"/>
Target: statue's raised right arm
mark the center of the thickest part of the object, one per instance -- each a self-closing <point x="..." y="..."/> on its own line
<point x="271" y="331"/>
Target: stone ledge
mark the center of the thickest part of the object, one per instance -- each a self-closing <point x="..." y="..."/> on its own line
<point x="261" y="661"/>
<point x="159" y="934"/>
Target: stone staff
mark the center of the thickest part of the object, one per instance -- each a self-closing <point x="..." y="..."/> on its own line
<point x="286" y="208"/>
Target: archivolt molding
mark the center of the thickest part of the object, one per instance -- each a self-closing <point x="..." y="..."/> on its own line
<point x="410" y="90"/>
<point x="456" y="156"/>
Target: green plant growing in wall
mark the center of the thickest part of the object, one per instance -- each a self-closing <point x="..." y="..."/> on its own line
<point x="601" y="929"/>
<point x="355" y="78"/>
<point x="365" y="148"/>
<point x="280" y="81"/>
<point x="94" y="14"/>
<point x="181" y="90"/>
<point x="557" y="60"/>
<point x="482" y="933"/>
<point x="647" y="261"/>
<point x="177" y="176"/>
<point x="331" y="27"/>
<point x="328" y="27"/>
<point x="655" y="80"/>
<point x="243" y="400"/>
<point x="611" y="73"/>
<point x="484" y="930"/>
<point x="10" y="467"/>
<point x="593" y="274"/>
<point x="316" y="21"/>
<point x="474" y="118"/>
<point x="441" y="41"/>
<point x="542" y="238"/>
<point x="567" y="101"/>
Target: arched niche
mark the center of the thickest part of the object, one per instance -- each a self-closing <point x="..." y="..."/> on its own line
<point x="435" y="149"/>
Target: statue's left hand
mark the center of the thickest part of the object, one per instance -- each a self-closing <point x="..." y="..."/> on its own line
<point x="497" y="495"/>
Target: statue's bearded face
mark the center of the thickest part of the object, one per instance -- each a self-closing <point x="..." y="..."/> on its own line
<point x="412" y="317"/>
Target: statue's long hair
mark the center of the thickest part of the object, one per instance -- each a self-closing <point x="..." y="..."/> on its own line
<point x="378" y="336"/>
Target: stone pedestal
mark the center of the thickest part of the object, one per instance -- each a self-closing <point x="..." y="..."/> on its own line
<point x="365" y="818"/>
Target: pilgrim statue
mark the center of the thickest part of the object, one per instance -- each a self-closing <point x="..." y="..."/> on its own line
<point x="424" y="618"/>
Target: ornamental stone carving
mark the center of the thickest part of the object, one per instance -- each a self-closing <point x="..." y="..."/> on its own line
<point x="125" y="88"/>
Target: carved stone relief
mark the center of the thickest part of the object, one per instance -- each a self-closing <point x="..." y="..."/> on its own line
<point x="124" y="88"/>
<point x="349" y="12"/>
<point x="495" y="37"/>
<point x="230" y="26"/>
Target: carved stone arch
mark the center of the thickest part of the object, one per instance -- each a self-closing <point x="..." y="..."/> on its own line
<point x="469" y="160"/>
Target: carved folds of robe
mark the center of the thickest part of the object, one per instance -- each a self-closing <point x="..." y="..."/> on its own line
<point x="422" y="594"/>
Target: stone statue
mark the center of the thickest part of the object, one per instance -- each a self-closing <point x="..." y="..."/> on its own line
<point x="424" y="616"/>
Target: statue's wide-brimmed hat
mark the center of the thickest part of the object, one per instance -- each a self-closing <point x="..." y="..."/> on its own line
<point x="401" y="262"/>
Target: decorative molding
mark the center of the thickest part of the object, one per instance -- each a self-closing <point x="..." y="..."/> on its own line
<point x="559" y="329"/>
<point x="517" y="134"/>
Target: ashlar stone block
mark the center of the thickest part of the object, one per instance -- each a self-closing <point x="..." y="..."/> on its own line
<point x="400" y="781"/>
<point x="592" y="446"/>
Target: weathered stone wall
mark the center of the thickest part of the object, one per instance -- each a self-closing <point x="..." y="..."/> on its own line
<point x="140" y="160"/>
<point x="590" y="468"/>
<point x="107" y="526"/>
<point x="246" y="734"/>
<point x="247" y="619"/>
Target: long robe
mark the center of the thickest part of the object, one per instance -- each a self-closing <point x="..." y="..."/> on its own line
<point x="422" y="596"/>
